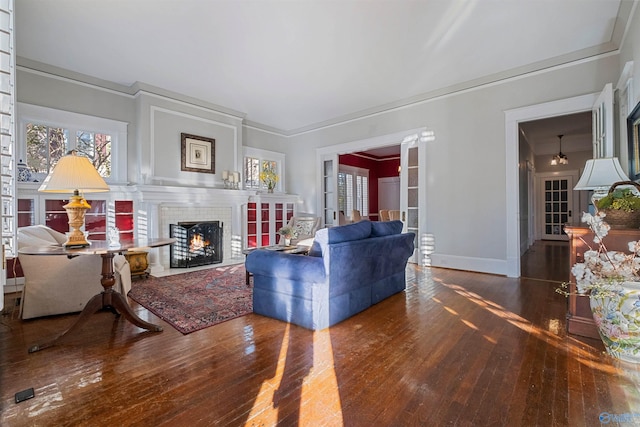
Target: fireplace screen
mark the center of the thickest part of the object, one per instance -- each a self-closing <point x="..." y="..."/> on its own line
<point x="197" y="243"/>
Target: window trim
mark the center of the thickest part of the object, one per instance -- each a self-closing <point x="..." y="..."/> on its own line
<point x="266" y="155"/>
<point x="29" y="113"/>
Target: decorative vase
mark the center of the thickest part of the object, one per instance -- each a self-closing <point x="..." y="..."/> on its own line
<point x="287" y="241"/>
<point x="270" y="190"/>
<point x="618" y="320"/>
<point x="24" y="174"/>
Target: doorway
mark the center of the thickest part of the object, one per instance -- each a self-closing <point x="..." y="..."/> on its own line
<point x="516" y="230"/>
<point x="412" y="156"/>
<point x="389" y="193"/>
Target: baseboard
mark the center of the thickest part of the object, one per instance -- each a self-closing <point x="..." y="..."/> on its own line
<point x="480" y="265"/>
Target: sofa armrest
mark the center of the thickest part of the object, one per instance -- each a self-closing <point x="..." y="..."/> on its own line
<point x="286" y="266"/>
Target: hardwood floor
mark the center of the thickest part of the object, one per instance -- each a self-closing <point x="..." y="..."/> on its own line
<point x="456" y="348"/>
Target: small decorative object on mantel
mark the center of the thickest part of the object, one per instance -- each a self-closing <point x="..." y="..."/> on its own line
<point x="621" y="205"/>
<point x="270" y="178"/>
<point x="231" y="179"/>
<point x="611" y="280"/>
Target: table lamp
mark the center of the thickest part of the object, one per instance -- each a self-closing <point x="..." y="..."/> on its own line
<point x="74" y="173"/>
<point x="599" y="175"/>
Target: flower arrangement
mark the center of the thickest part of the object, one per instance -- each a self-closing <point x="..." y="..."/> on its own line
<point x="269" y="177"/>
<point x="621" y="199"/>
<point x="603" y="271"/>
<point x="622" y="205"/>
<point x="611" y="279"/>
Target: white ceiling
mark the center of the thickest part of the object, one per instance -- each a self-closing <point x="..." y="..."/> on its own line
<point x="294" y="65"/>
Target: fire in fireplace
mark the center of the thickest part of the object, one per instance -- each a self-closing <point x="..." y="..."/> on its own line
<point x="197" y="243"/>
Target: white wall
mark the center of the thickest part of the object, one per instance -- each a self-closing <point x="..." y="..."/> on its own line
<point x="466" y="162"/>
<point x="155" y="157"/>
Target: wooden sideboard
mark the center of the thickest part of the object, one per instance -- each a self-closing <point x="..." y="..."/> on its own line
<point x="579" y="318"/>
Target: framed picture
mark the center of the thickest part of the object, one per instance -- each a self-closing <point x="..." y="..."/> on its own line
<point x="633" y="134"/>
<point x="198" y="154"/>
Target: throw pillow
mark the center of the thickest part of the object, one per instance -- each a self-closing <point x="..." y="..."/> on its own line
<point x="303" y="227"/>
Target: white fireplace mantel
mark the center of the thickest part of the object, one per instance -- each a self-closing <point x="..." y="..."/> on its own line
<point x="159" y="204"/>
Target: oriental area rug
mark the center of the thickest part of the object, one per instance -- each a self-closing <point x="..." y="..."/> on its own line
<point x="196" y="300"/>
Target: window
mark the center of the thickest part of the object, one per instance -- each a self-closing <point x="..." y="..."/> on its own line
<point x="256" y="162"/>
<point x="47" y="134"/>
<point x="353" y="190"/>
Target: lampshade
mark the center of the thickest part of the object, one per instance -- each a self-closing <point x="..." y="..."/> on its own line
<point x="74" y="173"/>
<point x="601" y="173"/>
<point x="71" y="173"/>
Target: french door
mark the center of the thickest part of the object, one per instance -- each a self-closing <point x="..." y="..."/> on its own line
<point x="556" y="207"/>
<point x="412" y="193"/>
<point x="602" y="123"/>
<point x="329" y="176"/>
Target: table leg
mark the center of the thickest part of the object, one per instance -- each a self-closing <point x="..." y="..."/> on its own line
<point x="94" y="304"/>
<point x="107" y="299"/>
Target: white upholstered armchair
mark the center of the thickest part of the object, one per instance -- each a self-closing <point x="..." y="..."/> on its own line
<point x="56" y="284"/>
<point x="304" y="229"/>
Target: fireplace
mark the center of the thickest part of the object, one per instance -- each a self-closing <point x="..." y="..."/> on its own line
<point x="197" y="243"/>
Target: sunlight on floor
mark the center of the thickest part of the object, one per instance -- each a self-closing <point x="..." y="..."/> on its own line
<point x="551" y="336"/>
<point x="322" y="374"/>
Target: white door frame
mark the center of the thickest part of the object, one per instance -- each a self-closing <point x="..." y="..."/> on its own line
<point x="513" y="118"/>
<point x="539" y="196"/>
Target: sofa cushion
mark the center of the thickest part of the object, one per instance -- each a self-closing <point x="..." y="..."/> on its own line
<point x="344" y="233"/>
<point x="385" y="228"/>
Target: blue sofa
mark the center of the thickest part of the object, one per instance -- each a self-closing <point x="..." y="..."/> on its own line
<point x="348" y="269"/>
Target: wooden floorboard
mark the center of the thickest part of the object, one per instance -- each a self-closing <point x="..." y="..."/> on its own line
<point x="456" y="348"/>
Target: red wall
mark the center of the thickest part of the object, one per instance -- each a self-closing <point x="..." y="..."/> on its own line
<point x="377" y="169"/>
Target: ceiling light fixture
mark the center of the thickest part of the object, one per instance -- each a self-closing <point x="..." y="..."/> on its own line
<point x="560" y="158"/>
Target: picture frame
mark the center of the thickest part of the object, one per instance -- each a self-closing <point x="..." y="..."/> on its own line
<point x="633" y="136"/>
<point x="198" y="153"/>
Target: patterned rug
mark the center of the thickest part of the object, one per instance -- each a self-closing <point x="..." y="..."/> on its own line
<point x="196" y="300"/>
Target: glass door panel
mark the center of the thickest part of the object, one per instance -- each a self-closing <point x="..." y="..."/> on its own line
<point x="557" y="206"/>
<point x="410" y="197"/>
<point x="330" y="196"/>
